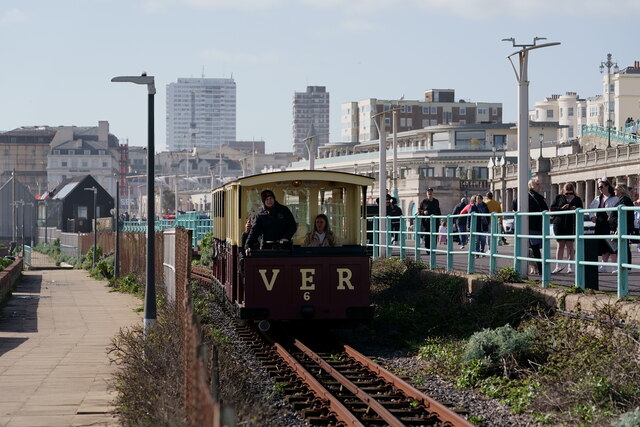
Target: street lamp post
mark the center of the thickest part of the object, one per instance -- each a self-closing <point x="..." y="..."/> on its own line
<point x="608" y="64"/>
<point x="150" y="307"/>
<point x="311" y="148"/>
<point x="95" y="223"/>
<point x="382" y="179"/>
<point x="541" y="139"/>
<point x="523" y="133"/>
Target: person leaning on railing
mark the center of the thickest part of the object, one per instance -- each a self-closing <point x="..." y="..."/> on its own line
<point x="605" y="199"/>
<point x="565" y="225"/>
<point x="536" y="204"/>
<point x="624" y="199"/>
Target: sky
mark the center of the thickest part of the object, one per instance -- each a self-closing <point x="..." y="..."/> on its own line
<point x="58" y="57"/>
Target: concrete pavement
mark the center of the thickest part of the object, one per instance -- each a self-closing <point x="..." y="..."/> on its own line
<point x="54" y="331"/>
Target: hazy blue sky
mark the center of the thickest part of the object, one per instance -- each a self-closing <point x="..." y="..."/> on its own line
<point x="58" y="56"/>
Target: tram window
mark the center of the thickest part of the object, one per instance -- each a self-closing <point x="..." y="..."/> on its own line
<point x="332" y="203"/>
<point x="297" y="200"/>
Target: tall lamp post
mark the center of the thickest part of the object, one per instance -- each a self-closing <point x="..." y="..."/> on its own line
<point x="95" y="223"/>
<point x="382" y="193"/>
<point x="311" y="148"/>
<point x="523" y="132"/>
<point x="150" y="308"/>
<point x="541" y="139"/>
<point x="608" y="64"/>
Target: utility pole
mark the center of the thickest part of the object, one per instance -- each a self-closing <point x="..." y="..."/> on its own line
<point x="524" y="164"/>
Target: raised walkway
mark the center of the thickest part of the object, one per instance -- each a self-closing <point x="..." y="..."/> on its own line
<point x="54" y="332"/>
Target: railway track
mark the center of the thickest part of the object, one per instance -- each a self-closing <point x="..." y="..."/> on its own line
<point x="344" y="387"/>
<point x="335" y="385"/>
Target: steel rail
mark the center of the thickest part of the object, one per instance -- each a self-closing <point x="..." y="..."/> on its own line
<point x="444" y="413"/>
<point x="341" y="412"/>
<point x="376" y="406"/>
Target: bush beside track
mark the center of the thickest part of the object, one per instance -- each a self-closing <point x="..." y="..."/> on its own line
<point x="508" y="345"/>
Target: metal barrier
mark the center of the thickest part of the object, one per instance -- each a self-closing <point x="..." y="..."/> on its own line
<point x="624" y="135"/>
<point x="409" y="242"/>
<point x="43" y="256"/>
<point x="194" y="221"/>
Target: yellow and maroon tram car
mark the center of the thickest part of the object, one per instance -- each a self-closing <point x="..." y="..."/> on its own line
<point x="320" y="283"/>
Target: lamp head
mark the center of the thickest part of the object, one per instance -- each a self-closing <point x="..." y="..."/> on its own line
<point x="140" y="80"/>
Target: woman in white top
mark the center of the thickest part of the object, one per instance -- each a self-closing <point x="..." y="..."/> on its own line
<point x="321" y="235"/>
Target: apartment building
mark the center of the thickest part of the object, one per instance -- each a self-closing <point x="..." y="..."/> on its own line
<point x="310" y="119"/>
<point x="360" y="120"/>
<point x="78" y="151"/>
<point x="620" y="99"/>
<point x="25" y="150"/>
<point x="201" y="112"/>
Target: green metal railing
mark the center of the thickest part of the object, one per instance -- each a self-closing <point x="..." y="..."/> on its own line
<point x="624" y="135"/>
<point x="191" y="221"/>
<point x="409" y="242"/>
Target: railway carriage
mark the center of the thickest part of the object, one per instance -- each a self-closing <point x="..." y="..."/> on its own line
<point x="298" y="283"/>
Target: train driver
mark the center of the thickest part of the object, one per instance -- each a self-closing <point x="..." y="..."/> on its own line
<point x="274" y="224"/>
<point x="321" y="235"/>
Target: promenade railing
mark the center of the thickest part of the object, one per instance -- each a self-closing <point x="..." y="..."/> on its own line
<point x="623" y="135"/>
<point x="409" y="242"/>
<point x="198" y="222"/>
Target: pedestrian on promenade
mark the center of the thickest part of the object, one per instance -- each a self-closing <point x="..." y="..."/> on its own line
<point x="605" y="199"/>
<point x="442" y="231"/>
<point x="461" y="222"/>
<point x="536" y="204"/>
<point x="624" y="199"/>
<point x="494" y="206"/>
<point x="565" y="225"/>
<point x="429" y="206"/>
<point x="482" y="224"/>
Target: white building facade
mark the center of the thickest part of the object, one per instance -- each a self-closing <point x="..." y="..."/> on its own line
<point x="310" y="119"/>
<point x="439" y="107"/>
<point x="201" y="112"/>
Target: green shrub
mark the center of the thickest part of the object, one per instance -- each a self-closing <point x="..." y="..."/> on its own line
<point x="629" y="419"/>
<point x="507" y="275"/>
<point x="498" y="347"/>
<point x="128" y="284"/>
<point x="206" y="250"/>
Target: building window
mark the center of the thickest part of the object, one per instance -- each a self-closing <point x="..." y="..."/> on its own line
<point x="63" y="164"/>
<point x="425" y="110"/>
<point x="571" y="132"/>
<point x="427" y="171"/>
<point x="549" y="114"/>
<point x="463" y="122"/>
<point x="101" y="152"/>
<point x="425" y="123"/>
<point x="434" y="122"/>
<point x="409" y="122"/>
<point x="403" y="122"/>
<point x="87" y="152"/>
<point x="583" y="112"/>
<point x="479" y="173"/>
<point x="561" y="112"/>
<point x="71" y="152"/>
<point x="434" y="110"/>
<point x="387" y="122"/>
<point x="494" y="111"/>
<point x="408" y="108"/>
<point x="570" y="112"/>
<point x="450" y="171"/>
<point x="56" y="151"/>
<point x="463" y="111"/>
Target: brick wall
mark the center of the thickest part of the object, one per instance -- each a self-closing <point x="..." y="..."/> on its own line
<point x="9" y="276"/>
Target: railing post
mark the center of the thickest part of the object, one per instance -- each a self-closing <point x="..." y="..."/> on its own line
<point x="402" y="237"/>
<point x="546" y="249"/>
<point x="388" y="236"/>
<point x="375" y="237"/>
<point x="471" y="259"/>
<point x="623" y="253"/>
<point x="517" y="244"/>
<point x="433" y="241"/>
<point x="493" y="246"/>
<point x="449" y="243"/>
<point x="417" y="226"/>
<point x="579" y="252"/>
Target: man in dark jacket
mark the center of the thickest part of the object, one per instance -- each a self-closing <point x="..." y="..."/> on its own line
<point x="461" y="223"/>
<point x="394" y="210"/>
<point x="273" y="224"/>
<point x="429" y="206"/>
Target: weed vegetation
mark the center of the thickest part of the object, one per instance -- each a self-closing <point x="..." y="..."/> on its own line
<point x="507" y="345"/>
<point x="149" y="377"/>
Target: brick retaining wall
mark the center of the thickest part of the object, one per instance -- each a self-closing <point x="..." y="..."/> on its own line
<point x="9" y="276"/>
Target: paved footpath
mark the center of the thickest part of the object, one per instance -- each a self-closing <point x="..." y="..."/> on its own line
<point x="54" y="331"/>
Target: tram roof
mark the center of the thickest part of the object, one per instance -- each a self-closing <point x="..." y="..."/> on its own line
<point x="302" y="175"/>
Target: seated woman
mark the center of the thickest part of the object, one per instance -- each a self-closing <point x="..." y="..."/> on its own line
<point x="321" y="235"/>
